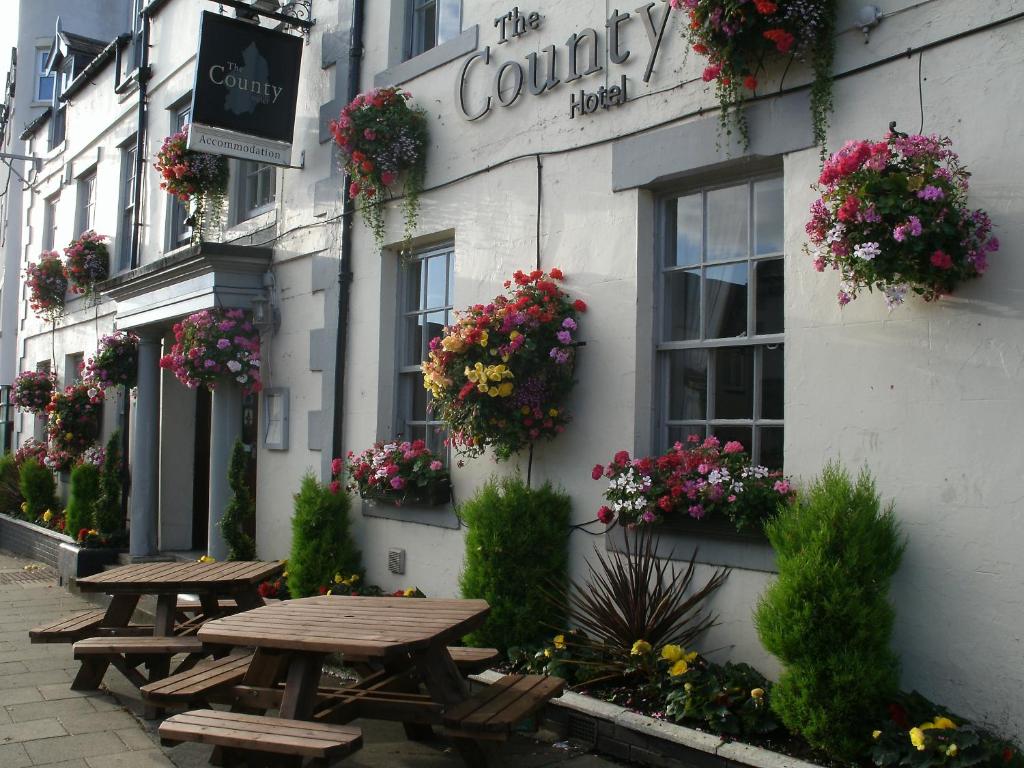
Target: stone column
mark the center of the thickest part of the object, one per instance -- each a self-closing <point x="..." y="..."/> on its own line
<point x="225" y="428"/>
<point x="145" y="450"/>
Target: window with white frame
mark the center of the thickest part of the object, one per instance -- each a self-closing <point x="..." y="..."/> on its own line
<point x="126" y="224"/>
<point x="179" y="232"/>
<point x="44" y="81"/>
<point x="50" y="222"/>
<point x="721" y="331"/>
<point x="256" y="188"/>
<point x="428" y="23"/>
<point x="85" y="216"/>
<point x="425" y="307"/>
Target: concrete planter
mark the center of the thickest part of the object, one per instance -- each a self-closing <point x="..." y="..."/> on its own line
<point x="620" y="733"/>
<point x="31" y="541"/>
<point x="75" y="562"/>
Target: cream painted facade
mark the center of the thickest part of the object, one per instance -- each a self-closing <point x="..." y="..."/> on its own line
<point x="928" y="397"/>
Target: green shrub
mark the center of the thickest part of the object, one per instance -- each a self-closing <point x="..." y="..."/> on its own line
<point x="107" y="515"/>
<point x="38" y="487"/>
<point x="827" y="617"/>
<point x="516" y="550"/>
<point x="85" y="490"/>
<point x="10" y="485"/>
<point x="322" y="545"/>
<point x="241" y="510"/>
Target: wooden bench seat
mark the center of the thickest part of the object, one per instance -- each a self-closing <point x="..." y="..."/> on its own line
<point x="492" y="712"/>
<point x="125" y="654"/>
<point x="79" y="626"/>
<point x="473" y="660"/>
<point x="323" y="743"/>
<point x="142" y="646"/>
<point x="199" y="683"/>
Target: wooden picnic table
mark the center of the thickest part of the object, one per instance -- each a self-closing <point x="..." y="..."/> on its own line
<point x="236" y="580"/>
<point x="397" y="643"/>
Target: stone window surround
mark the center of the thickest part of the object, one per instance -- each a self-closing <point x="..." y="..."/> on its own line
<point x="400" y="71"/>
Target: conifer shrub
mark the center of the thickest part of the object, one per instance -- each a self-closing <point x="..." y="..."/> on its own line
<point x="85" y="490"/>
<point x="827" y="617"/>
<point x="240" y="511"/>
<point x="38" y="487"/>
<point x="516" y="554"/>
<point x="322" y="544"/>
<point x="10" y="485"/>
<point x="107" y="516"/>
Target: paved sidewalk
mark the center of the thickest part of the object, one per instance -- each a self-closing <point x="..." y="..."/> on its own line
<point x="44" y="723"/>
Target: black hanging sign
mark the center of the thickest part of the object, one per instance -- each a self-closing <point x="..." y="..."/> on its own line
<point x="246" y="84"/>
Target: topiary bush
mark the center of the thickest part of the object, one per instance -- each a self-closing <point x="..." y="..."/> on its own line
<point x="10" y="485"/>
<point x="241" y="510"/>
<point x="322" y="544"/>
<point x="827" y="617"/>
<point x="38" y="487"/>
<point x="516" y="551"/>
<point x="85" y="490"/>
<point x="107" y="515"/>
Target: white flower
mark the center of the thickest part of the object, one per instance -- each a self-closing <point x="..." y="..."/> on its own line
<point x="234" y="366"/>
<point x="241" y="379"/>
<point x="835" y="234"/>
<point x="867" y="251"/>
<point x="895" y="294"/>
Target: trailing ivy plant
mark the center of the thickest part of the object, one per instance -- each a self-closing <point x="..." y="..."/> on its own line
<point x="241" y="511"/>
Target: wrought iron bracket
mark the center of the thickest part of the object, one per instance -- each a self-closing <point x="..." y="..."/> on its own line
<point x="294" y="13"/>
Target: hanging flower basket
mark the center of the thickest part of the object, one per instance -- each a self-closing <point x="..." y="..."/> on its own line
<point x="196" y="178"/>
<point x="32" y="391"/>
<point x="47" y="286"/>
<point x="893" y="215"/>
<point x="74" y="419"/>
<point x="116" y="360"/>
<point x="700" y="480"/>
<point x="213" y="346"/>
<point x="383" y="139"/>
<point x="87" y="262"/>
<point x="742" y="37"/>
<point x="500" y="374"/>
<point x="399" y="473"/>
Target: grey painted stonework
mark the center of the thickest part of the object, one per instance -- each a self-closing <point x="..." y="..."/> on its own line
<point x="442" y="516"/>
<point x="709" y="548"/>
<point x="314" y="431"/>
<point x="436" y="57"/>
<point x="777" y="126"/>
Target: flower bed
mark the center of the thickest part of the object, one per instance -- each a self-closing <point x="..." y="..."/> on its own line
<point x="32" y="390"/>
<point x="500" y="374"/>
<point x="87" y="262"/>
<point x="116" y="360"/>
<point x="398" y="473"/>
<point x="215" y="345"/>
<point x="193" y="177"/>
<point x="702" y="479"/>
<point x="893" y="216"/>
<point x="47" y="285"/>
<point x="739" y="37"/>
<point x="382" y="137"/>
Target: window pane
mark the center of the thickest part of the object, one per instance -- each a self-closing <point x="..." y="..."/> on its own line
<point x="437" y="274"/>
<point x="725" y="301"/>
<point x="450" y="296"/>
<point x="413" y="274"/>
<point x="680" y="434"/>
<point x="688" y="385"/>
<point x="449" y="22"/>
<point x="739" y="434"/>
<point x="734" y="383"/>
<point x="769" y="281"/>
<point x="771" y="447"/>
<point x="768" y="231"/>
<point x="414" y="397"/>
<point x="682" y="300"/>
<point x="412" y="335"/>
<point x="435" y="442"/>
<point x="727" y="223"/>
<point x="435" y="326"/>
<point x="414" y="433"/>
<point x="689" y="230"/>
<point x="772" y="383"/>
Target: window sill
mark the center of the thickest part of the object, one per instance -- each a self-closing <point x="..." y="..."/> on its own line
<point x="246" y="227"/>
<point x="717" y="545"/>
<point x="55" y="152"/>
<point x="436" y="57"/>
<point x="442" y="516"/>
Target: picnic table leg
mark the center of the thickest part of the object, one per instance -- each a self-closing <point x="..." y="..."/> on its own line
<point x="446" y="685"/>
<point x="301" y="686"/>
<point x="265" y="670"/>
<point x="413" y="731"/>
<point x="249" y="599"/>
<point x="119" y="614"/>
<point x="160" y="666"/>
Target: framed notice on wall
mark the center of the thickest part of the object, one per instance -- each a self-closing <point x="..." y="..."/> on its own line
<point x="245" y="88"/>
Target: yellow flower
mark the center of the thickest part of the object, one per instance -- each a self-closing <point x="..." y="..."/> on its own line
<point x="875" y="734"/>
<point x="493" y="391"/>
<point x="671" y="652"/>
<point x="337" y="578"/>
<point x="525" y="410"/>
<point x="284" y="575"/>
<point x="483" y="338"/>
<point x="514" y="335"/>
<point x="553" y="412"/>
<point x="548" y="653"/>
<point x="505" y="389"/>
<point x="207" y="559"/>
<point x="688" y="658"/>
<point x="452" y="344"/>
<point x="410" y="591"/>
<point x="944" y="723"/>
<point x="476" y="373"/>
<point x="679" y="668"/>
<point x="640" y="647"/>
<point x="951" y="750"/>
<point x="69" y="436"/>
<point x="757" y="693"/>
<point x="353" y="579"/>
<point x="688" y="687"/>
<point x="917" y="738"/>
<point x="560" y="642"/>
<point x="47" y="516"/>
<point x="24" y="504"/>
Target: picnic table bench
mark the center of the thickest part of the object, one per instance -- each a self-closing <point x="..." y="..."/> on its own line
<point x="402" y="645"/>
